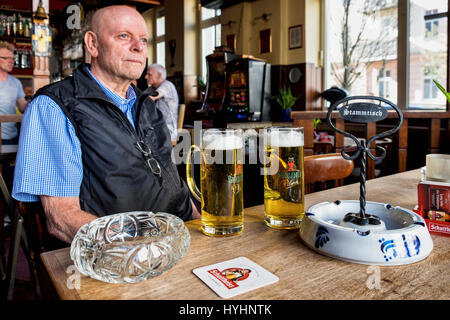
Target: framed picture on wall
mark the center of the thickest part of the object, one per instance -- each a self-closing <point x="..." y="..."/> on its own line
<point x="265" y="41"/>
<point x="296" y="37"/>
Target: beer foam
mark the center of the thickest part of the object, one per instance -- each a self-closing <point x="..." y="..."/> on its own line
<point x="284" y="139"/>
<point x="222" y="142"/>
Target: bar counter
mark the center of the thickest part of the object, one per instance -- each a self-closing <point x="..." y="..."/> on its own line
<point x="303" y="274"/>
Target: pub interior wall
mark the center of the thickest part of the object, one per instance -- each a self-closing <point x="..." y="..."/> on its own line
<point x="182" y="25"/>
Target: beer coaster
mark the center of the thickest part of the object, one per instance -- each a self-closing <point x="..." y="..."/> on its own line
<point x="232" y="277"/>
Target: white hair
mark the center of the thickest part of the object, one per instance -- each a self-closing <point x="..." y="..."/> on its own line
<point x="159" y="68"/>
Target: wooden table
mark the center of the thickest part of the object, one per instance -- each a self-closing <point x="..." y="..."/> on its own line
<point x="303" y="273"/>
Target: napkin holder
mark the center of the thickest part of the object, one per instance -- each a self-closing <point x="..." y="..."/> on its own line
<point x="434" y="194"/>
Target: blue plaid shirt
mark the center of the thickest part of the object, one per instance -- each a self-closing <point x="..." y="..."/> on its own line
<point x="49" y="156"/>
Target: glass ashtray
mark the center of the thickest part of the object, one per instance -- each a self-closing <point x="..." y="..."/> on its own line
<point x="129" y="247"/>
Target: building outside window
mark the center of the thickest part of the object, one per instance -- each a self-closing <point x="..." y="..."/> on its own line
<point x="362" y="46"/>
<point x="431" y="25"/>
<point x="211" y="34"/>
<point x="384" y="84"/>
<point x="430" y="91"/>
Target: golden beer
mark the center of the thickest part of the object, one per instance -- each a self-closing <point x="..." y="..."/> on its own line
<point x="221" y="183"/>
<point x="284" y="202"/>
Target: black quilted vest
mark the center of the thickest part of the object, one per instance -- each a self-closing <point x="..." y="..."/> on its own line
<point x="116" y="176"/>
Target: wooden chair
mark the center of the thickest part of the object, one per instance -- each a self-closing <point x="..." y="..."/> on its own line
<point x="30" y="231"/>
<point x="326" y="167"/>
<point x="19" y="239"/>
<point x="181" y="111"/>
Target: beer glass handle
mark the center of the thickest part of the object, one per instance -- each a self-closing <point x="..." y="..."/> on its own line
<point x="190" y="174"/>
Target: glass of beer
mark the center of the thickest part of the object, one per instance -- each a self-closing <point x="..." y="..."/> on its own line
<point x="284" y="201"/>
<point x="221" y="181"/>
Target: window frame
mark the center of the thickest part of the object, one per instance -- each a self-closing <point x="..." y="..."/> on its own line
<point x="403" y="51"/>
<point x="161" y="38"/>
<point x="204" y="24"/>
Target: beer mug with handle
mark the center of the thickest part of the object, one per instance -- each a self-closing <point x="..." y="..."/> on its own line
<point x="221" y="181"/>
<point x="284" y="201"/>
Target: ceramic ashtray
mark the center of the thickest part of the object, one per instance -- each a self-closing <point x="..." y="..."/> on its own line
<point x="401" y="238"/>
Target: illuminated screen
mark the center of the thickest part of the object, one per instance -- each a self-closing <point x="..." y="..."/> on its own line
<point x="237" y="79"/>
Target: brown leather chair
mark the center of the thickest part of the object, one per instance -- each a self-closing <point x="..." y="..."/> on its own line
<point x="326" y="167"/>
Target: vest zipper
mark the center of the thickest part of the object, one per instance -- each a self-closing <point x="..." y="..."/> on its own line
<point x="133" y="131"/>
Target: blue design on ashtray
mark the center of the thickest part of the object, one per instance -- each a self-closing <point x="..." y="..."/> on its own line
<point x="308" y="214"/>
<point x="416" y="245"/>
<point x="386" y="247"/>
<point x="321" y="237"/>
<point x="393" y="249"/>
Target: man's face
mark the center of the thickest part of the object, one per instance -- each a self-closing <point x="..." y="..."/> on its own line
<point x="153" y="78"/>
<point x="122" y="49"/>
<point x="6" y="60"/>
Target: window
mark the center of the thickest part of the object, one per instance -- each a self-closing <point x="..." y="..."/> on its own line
<point x="362" y="40"/>
<point x="430" y="91"/>
<point x="161" y="38"/>
<point x="431" y="24"/>
<point x="384" y="84"/>
<point x="211" y="34"/>
<point x="427" y="53"/>
<point x="431" y="28"/>
<point x="358" y="50"/>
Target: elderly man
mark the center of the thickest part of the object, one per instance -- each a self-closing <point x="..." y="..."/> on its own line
<point x="93" y="144"/>
<point x="167" y="98"/>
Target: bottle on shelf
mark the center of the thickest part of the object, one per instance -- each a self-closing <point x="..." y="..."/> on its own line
<point x="14" y="25"/>
<point x="8" y="26"/>
<point x="2" y="25"/>
<point x="26" y="29"/>
<point x="17" y="58"/>
<point x="23" y="59"/>
<point x="20" y="26"/>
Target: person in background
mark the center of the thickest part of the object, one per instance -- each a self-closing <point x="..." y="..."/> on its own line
<point x="166" y="98"/>
<point x="92" y="144"/>
<point x="11" y="95"/>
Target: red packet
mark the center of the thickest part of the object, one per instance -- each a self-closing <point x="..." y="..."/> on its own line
<point x="434" y="206"/>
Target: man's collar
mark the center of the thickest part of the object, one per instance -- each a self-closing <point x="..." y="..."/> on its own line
<point x="87" y="87"/>
<point x="129" y="95"/>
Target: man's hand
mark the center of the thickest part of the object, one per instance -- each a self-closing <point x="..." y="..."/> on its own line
<point x="195" y="213"/>
<point x="22" y="104"/>
<point x="64" y="216"/>
<point x="154" y="98"/>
